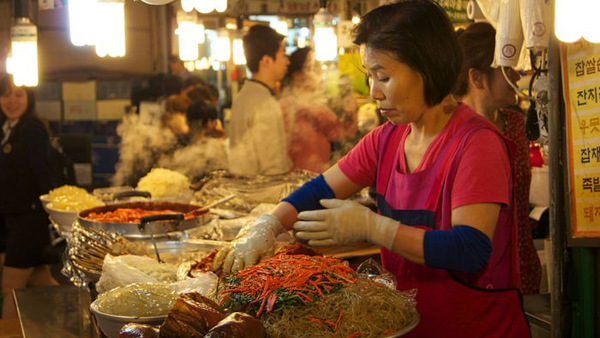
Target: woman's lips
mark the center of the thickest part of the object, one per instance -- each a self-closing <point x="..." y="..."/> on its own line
<point x="386" y="112"/>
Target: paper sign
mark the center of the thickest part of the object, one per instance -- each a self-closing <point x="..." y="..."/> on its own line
<point x="581" y="83"/>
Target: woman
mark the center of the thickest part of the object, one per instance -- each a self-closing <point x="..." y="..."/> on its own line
<point x="443" y="180"/>
<point x="24" y="176"/>
<point x="486" y="90"/>
<point x="311" y="126"/>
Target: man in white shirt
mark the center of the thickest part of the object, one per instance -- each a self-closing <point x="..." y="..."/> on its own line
<point x="256" y="129"/>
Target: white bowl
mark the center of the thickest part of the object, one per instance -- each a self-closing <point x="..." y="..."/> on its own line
<point x="45" y="199"/>
<point x="110" y="325"/>
<point x="62" y="218"/>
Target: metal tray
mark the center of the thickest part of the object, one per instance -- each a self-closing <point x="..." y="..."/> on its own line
<point x="411" y="326"/>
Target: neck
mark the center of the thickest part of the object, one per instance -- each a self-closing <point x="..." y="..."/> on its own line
<point x="264" y="78"/>
<point x="433" y="120"/>
<point x="479" y="105"/>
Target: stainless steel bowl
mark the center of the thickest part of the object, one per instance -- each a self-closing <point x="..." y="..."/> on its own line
<point x="110" y="325"/>
<point x="158" y="228"/>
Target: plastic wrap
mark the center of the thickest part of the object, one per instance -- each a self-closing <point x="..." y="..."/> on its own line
<point x="129" y="269"/>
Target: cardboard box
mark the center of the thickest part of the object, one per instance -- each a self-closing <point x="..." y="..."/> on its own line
<point x="80" y="110"/>
<point x="111" y="109"/>
<point x="79" y="91"/>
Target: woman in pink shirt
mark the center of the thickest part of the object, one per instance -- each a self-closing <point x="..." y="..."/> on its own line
<point x="311" y="125"/>
<point x="444" y="183"/>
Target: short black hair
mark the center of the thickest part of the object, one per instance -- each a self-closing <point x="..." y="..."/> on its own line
<point x="261" y="40"/>
<point x="297" y="61"/>
<point x="419" y="34"/>
<point x="200" y="113"/>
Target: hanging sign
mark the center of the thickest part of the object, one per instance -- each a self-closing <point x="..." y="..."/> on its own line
<point x="581" y="83"/>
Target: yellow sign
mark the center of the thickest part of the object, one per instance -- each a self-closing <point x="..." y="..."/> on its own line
<point x="581" y="83"/>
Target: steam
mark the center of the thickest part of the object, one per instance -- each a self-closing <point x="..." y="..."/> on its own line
<point x="198" y="158"/>
<point x="146" y="144"/>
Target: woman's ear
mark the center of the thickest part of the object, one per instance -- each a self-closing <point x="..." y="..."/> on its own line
<point x="476" y="78"/>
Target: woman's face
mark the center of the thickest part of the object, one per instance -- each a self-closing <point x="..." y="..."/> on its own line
<point x="14" y="103"/>
<point x="397" y="88"/>
<point x="499" y="92"/>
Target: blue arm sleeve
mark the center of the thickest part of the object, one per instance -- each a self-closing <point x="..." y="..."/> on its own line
<point x="463" y="248"/>
<point x="308" y="195"/>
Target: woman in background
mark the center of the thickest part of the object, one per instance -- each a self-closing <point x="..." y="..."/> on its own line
<point x="25" y="174"/>
<point x="487" y="91"/>
<point x="311" y="125"/>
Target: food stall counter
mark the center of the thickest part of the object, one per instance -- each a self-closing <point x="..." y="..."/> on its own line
<point x="54" y="311"/>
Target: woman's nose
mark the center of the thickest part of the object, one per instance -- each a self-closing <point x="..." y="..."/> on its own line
<point x="376" y="93"/>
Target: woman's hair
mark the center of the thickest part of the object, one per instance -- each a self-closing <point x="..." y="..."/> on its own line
<point x="477" y="43"/>
<point x="200" y="113"/>
<point x="6" y="86"/>
<point x="419" y="34"/>
<point x="297" y="61"/>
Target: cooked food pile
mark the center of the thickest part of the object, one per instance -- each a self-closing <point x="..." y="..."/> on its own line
<point x="284" y="281"/>
<point x="160" y="182"/>
<point x="137" y="300"/>
<point x="362" y="309"/>
<point x="71" y="198"/>
<point x="130" y="215"/>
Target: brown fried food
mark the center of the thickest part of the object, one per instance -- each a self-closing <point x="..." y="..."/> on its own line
<point x="238" y="325"/>
<point x="192" y="315"/>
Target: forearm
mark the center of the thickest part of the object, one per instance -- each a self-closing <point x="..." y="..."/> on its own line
<point x="286" y="214"/>
<point x="408" y="243"/>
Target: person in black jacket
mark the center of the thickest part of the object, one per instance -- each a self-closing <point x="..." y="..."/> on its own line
<point x="25" y="174"/>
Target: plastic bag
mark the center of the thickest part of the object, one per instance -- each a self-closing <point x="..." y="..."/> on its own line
<point x="204" y="283"/>
<point x="129" y="269"/>
<point x="375" y="272"/>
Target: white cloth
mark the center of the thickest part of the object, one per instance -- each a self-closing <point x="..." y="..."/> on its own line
<point x="257" y="133"/>
<point x="6" y="129"/>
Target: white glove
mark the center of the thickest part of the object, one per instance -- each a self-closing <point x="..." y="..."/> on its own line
<point x="345" y="222"/>
<point x="255" y="240"/>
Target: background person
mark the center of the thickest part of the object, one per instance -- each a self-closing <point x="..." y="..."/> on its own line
<point x="310" y="124"/>
<point x="443" y="179"/>
<point x="25" y="175"/>
<point x="256" y="130"/>
<point x="486" y="90"/>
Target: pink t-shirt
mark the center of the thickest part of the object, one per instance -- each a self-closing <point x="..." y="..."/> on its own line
<point x="484" y="170"/>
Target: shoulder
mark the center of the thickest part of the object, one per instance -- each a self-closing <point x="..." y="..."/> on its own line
<point x="32" y="125"/>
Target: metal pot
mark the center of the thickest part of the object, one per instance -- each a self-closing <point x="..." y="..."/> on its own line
<point x="157" y="225"/>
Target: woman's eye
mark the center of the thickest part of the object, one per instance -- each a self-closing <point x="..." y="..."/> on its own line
<point x="384" y="79"/>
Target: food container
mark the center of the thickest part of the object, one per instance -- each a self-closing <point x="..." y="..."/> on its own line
<point x="45" y="199"/>
<point x="63" y="219"/>
<point x="110" y="325"/>
<point x="158" y="226"/>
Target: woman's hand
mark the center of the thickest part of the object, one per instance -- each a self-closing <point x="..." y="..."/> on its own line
<point x="345" y="222"/>
<point x="255" y="241"/>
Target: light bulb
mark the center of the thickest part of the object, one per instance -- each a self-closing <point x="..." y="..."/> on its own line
<point x="280" y="26"/>
<point x="188" y="37"/>
<point x="188" y="5"/>
<point x="24" y="61"/>
<point x="239" y="58"/>
<point x="110" y="28"/>
<point x="81" y="18"/>
<point x="325" y="38"/>
<point x="222" y="48"/>
<point x="567" y="23"/>
<point x="205" y="6"/>
<point x="591" y="26"/>
<point x="220" y="5"/>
